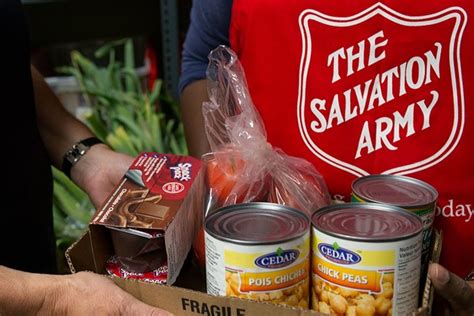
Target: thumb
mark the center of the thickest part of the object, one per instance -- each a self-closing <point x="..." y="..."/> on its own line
<point x="452" y="288"/>
<point x="136" y="307"/>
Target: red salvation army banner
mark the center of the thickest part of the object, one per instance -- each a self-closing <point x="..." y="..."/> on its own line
<point x="371" y="100"/>
<point x="369" y="87"/>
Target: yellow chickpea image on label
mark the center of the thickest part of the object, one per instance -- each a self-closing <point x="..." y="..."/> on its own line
<point x="335" y="300"/>
<point x="352" y="288"/>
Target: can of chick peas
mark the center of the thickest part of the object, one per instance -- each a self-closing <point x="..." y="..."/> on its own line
<point x="365" y="260"/>
<point x="408" y="193"/>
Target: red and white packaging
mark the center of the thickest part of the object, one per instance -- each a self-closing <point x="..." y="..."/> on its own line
<point x="149" y="217"/>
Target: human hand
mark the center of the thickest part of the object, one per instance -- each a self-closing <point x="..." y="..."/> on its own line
<point x="83" y="293"/>
<point x="457" y="293"/>
<point x="99" y="171"/>
<point x="87" y="293"/>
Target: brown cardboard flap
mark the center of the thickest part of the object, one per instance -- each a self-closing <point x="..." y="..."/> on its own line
<point x="79" y="255"/>
<point x="181" y="301"/>
<point x="101" y="246"/>
<point x="187" y="302"/>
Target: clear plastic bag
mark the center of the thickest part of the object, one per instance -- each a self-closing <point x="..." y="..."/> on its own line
<point x="242" y="166"/>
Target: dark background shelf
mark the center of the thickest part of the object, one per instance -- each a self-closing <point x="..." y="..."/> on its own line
<point x="65" y="23"/>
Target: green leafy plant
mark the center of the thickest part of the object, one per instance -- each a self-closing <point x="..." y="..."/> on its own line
<point x="125" y="115"/>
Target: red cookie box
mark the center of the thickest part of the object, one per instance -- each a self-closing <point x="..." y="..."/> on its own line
<point x="149" y="219"/>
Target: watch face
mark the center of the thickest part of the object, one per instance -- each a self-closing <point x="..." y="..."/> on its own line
<point x="81" y="148"/>
<point x="73" y="155"/>
<point x="76" y="152"/>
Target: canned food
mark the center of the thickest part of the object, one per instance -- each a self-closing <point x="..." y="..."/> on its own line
<point x="411" y="194"/>
<point x="259" y="251"/>
<point x="366" y="260"/>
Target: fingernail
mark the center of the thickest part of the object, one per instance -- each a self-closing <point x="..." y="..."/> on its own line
<point x="441" y="274"/>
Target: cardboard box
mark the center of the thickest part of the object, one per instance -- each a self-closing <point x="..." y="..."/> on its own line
<point x="178" y="300"/>
<point x="147" y="212"/>
<point x="187" y="297"/>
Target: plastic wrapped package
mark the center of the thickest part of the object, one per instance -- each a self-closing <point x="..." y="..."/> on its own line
<point x="242" y="166"/>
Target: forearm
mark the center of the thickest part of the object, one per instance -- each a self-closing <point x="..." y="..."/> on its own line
<point x="192" y="98"/>
<point x="59" y="129"/>
<point x="83" y="293"/>
<point x="24" y="293"/>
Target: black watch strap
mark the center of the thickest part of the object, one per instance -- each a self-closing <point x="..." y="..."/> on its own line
<point x="75" y="153"/>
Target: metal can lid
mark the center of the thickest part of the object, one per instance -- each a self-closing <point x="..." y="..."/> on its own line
<point x="257" y="223"/>
<point x="367" y="222"/>
<point x="400" y="191"/>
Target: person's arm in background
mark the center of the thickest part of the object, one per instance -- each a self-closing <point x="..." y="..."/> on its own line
<point x="208" y="29"/>
<point x="83" y="293"/>
<point x="192" y="98"/>
<point x="100" y="168"/>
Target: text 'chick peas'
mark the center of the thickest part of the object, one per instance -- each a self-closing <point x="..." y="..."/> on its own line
<point x="365" y="260"/>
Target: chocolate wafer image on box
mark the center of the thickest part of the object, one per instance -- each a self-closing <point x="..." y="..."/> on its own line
<point x="152" y="210"/>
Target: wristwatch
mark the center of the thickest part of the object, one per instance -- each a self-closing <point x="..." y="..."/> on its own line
<point x="75" y="153"/>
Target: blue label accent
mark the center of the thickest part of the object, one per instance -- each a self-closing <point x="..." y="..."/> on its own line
<point x="276" y="260"/>
<point x="339" y="255"/>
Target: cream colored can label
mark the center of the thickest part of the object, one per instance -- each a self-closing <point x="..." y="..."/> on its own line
<point x="426" y="214"/>
<point x="273" y="273"/>
<point x="365" y="278"/>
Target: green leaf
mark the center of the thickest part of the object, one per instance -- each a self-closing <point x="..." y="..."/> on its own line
<point x="104" y="50"/>
<point x="335" y="246"/>
<point x="126" y="118"/>
<point x="76" y="193"/>
<point x="279" y="251"/>
<point x="121" y="142"/>
<point x="155" y="92"/>
<point x="129" y="64"/>
<point x="154" y="129"/>
<point x="69" y="205"/>
<point x="97" y="125"/>
<point x="58" y="220"/>
<point x="67" y="70"/>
